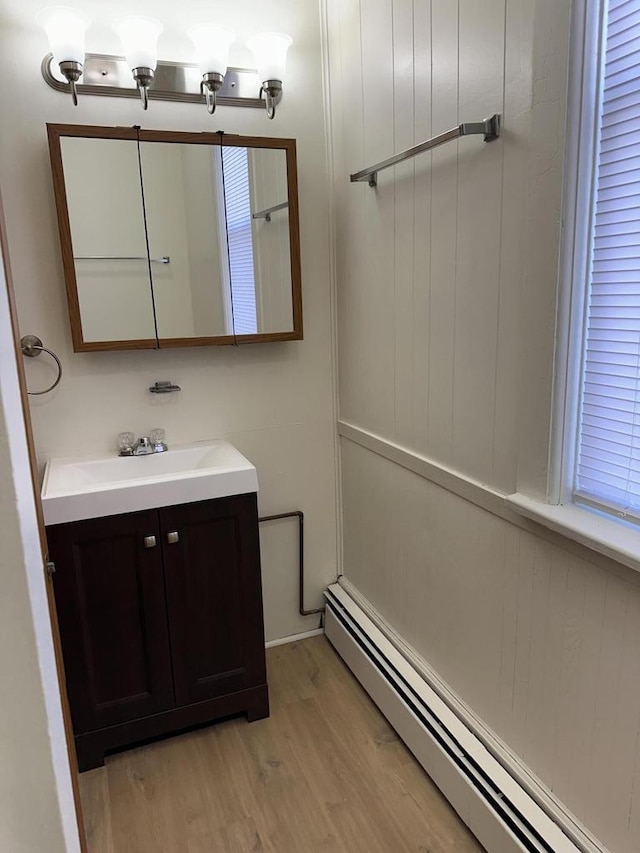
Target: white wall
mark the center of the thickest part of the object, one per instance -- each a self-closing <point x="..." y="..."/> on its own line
<point x="274" y="401"/>
<point x="447" y="279"/>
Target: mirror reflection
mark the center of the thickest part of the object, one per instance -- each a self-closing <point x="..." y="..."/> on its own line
<point x="257" y="212"/>
<point x="108" y="237"/>
<point x="183" y="198"/>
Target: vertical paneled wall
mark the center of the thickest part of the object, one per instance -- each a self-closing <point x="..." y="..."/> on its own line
<point x="542" y="644"/>
<point x="438" y="263"/>
<point x="447" y="283"/>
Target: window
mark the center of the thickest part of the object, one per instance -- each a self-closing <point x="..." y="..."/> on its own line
<point x="594" y="478"/>
<point x="606" y="474"/>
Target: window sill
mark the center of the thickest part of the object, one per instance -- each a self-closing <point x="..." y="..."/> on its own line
<point x="614" y="539"/>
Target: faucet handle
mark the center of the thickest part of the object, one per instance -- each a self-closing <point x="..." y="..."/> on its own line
<point x="126" y="440"/>
<point x="157" y="439"/>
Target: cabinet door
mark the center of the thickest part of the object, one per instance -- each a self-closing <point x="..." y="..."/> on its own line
<point x="111" y="607"/>
<point x="214" y="597"/>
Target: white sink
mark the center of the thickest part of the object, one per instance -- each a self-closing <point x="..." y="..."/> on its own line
<point x="91" y="487"/>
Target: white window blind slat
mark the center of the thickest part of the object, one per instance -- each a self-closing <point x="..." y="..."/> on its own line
<point x="617" y="448"/>
<point x="614" y="229"/>
<point x="595" y="437"/>
<point x="620" y="7"/>
<point x="620" y="137"/>
<point x="610" y="162"/>
<point x="597" y="406"/>
<point x="608" y="462"/>
<point x="622" y="47"/>
<point x="618" y="128"/>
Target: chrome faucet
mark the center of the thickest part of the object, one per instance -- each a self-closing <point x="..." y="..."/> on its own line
<point x="144" y="446"/>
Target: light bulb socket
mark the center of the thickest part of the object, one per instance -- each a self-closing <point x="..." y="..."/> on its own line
<point x="144" y="78"/>
<point x="273" y="95"/>
<point x="71" y="71"/>
<point x="211" y="82"/>
<point x="273" y="88"/>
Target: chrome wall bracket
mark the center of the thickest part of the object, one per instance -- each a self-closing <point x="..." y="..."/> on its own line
<point x="164" y="388"/>
<point x="110" y="76"/>
<point x="488" y="127"/>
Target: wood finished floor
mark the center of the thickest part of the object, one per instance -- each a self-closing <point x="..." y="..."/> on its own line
<point x="325" y="772"/>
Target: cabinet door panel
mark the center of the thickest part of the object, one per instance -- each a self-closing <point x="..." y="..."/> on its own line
<point x="214" y="597"/>
<point x="111" y="607"/>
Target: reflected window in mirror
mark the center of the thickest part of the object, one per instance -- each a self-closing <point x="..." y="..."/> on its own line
<point x="237" y="205"/>
<point x="270" y="233"/>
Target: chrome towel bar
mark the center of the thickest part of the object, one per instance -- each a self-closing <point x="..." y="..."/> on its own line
<point x="489" y="128"/>
<point x="165" y="259"/>
<point x="266" y="213"/>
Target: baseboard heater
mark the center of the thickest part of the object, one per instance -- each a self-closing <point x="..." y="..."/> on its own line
<point x="500" y="813"/>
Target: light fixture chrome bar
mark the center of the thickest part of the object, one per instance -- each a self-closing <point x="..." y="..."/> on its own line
<point x="165" y="259"/>
<point x="266" y="213"/>
<point x="110" y="76"/>
<point x="489" y="128"/>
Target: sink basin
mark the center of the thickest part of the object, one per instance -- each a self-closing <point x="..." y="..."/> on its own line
<point x="91" y="487"/>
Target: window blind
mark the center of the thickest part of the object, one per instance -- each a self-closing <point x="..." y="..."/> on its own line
<point x="608" y="461"/>
<point x="239" y="240"/>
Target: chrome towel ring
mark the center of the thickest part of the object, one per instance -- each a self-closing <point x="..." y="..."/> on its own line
<point x="31" y="346"/>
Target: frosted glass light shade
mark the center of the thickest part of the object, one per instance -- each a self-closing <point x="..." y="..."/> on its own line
<point x="270" y="54"/>
<point x="139" y="37"/>
<point x="65" y="28"/>
<point x="212" y="45"/>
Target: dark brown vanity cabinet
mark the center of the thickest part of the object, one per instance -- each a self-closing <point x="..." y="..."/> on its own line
<point x="161" y="622"/>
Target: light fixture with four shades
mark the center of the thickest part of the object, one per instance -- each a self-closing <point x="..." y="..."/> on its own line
<point x="66" y="28"/>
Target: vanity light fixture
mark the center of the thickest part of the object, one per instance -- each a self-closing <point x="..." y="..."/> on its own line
<point x="212" y="45"/>
<point x="270" y="54"/>
<point x="139" y="37"/>
<point x="65" y="28"/>
<point x="106" y="75"/>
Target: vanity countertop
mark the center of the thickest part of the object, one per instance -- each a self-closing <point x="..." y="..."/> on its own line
<point x="75" y="488"/>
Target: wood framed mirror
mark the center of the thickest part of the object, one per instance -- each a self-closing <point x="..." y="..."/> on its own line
<point x="173" y="239"/>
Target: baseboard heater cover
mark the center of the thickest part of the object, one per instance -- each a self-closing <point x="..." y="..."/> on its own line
<point x="499" y="812"/>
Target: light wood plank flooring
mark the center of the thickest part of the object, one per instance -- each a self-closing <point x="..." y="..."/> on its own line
<point x="324" y="773"/>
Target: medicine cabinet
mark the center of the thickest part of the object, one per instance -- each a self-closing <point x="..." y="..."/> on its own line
<point x="174" y="239"/>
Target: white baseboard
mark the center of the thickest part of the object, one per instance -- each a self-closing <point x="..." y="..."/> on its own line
<point x="505" y="756"/>
<point x="499" y="811"/>
<point x="293" y="638"/>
